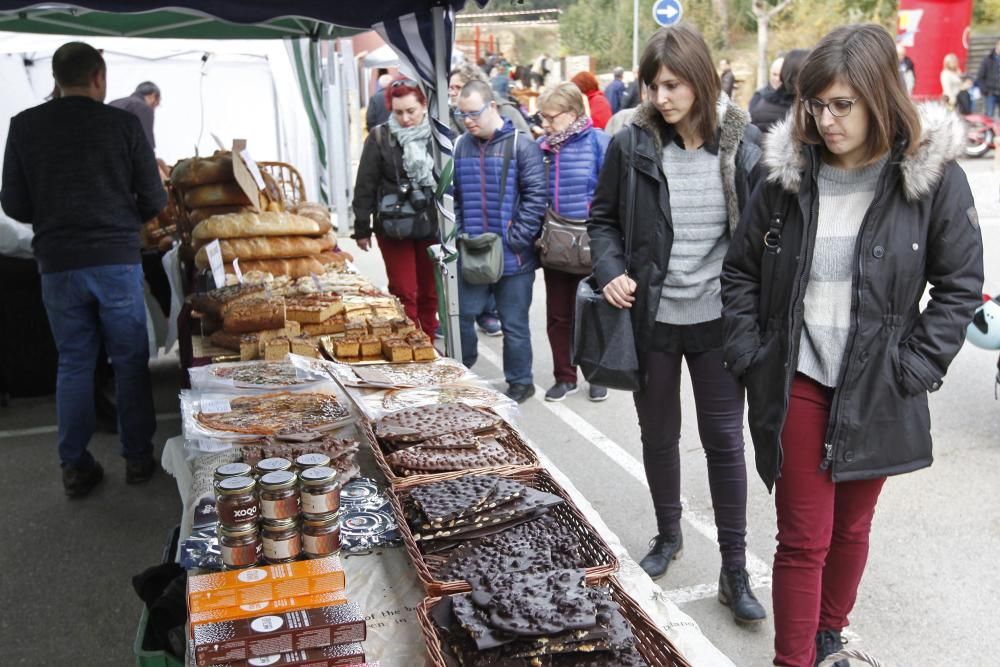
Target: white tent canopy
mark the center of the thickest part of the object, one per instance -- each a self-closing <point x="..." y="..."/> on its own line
<point x="383" y="56"/>
<point x="230" y="88"/>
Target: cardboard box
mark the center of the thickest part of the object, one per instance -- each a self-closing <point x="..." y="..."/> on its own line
<point x="336" y="655"/>
<point x="263" y="608"/>
<point x="263" y="584"/>
<point x="271" y="634"/>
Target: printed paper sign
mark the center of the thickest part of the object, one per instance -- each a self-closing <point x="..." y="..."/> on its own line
<point x="215" y="405"/>
<point x="252" y="168"/>
<point x="214" y="252"/>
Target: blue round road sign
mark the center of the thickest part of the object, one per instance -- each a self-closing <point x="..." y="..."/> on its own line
<point x="667" y="12"/>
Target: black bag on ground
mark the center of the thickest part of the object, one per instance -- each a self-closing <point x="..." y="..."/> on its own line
<point x="603" y="338"/>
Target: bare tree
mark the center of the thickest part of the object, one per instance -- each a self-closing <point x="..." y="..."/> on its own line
<point x="764" y="12"/>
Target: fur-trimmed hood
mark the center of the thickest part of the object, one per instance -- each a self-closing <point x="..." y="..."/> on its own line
<point x="942" y="140"/>
<point x="733" y="124"/>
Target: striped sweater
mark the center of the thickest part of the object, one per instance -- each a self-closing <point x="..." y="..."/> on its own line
<point x="844" y="199"/>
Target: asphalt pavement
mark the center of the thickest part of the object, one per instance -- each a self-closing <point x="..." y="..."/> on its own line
<point x="927" y="596"/>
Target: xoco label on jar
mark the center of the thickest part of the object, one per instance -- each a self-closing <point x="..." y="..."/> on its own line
<point x="282" y="549"/>
<point x="319" y="503"/>
<point x="267" y="624"/>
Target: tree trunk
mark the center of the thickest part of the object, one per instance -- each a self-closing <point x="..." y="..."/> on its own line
<point x="763" y="23"/>
<point x="722" y="13"/>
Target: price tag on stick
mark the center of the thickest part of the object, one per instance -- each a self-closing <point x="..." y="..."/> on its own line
<point x="236" y="270"/>
<point x="214" y="252"/>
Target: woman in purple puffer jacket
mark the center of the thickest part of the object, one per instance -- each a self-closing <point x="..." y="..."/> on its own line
<point x="574" y="152"/>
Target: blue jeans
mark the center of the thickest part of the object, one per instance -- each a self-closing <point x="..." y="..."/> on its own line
<point x="513" y="297"/>
<point x="991" y="102"/>
<point x="85" y="307"/>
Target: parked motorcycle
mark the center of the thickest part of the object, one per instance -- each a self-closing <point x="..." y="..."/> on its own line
<point x="981" y="132"/>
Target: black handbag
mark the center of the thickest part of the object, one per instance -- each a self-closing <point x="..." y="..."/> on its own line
<point x="603" y="337"/>
<point x="400" y="219"/>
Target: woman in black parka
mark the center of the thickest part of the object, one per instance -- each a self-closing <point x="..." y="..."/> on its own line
<point x="691" y="152"/>
<point x="863" y="205"/>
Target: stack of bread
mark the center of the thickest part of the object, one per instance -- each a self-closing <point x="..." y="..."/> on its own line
<point x="270" y="241"/>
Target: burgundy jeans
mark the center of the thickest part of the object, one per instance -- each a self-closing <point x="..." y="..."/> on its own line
<point x="823" y="532"/>
<point x="411" y="279"/>
<point x="560" y="306"/>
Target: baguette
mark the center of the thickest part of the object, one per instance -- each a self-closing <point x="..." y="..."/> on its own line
<point x="247" y="225"/>
<point x="295" y="267"/>
<point x="197" y="215"/>
<point x="197" y="171"/>
<point x="265" y="247"/>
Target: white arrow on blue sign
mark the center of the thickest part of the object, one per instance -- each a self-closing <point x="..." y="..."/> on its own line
<point x="667" y="12"/>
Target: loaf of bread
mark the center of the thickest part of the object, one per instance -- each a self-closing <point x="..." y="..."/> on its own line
<point x="296" y="267"/>
<point x="218" y="194"/>
<point x="247" y="225"/>
<point x="197" y="215"/>
<point x="265" y="247"/>
<point x="314" y="211"/>
<point x="216" y="302"/>
<point x="197" y="171"/>
<point x="255" y="314"/>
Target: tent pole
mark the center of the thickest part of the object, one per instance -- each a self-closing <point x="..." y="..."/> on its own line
<point x="453" y="342"/>
<point x="337" y="166"/>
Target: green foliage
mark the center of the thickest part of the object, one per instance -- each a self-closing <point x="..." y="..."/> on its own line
<point x="986" y="13"/>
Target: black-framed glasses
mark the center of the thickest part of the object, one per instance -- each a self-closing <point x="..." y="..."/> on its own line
<point x="545" y="118"/>
<point x="409" y="83"/>
<point x="474" y="115"/>
<point x="838" y="107"/>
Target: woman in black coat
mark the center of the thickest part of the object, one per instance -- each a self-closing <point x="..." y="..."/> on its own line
<point x="689" y="152"/>
<point x="772" y="106"/>
<point x="863" y="205"/>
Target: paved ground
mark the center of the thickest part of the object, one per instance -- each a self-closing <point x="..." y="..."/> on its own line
<point x="927" y="598"/>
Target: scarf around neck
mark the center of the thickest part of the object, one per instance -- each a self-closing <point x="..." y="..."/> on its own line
<point x="417" y="161"/>
<point x="556" y="140"/>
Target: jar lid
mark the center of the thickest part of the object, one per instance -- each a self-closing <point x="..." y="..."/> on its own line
<point x="238" y="530"/>
<point x="273" y="464"/>
<point x="312" y="460"/>
<point x="280" y="479"/>
<point x="280" y="525"/>
<point x="317" y="475"/>
<point x="229" y="486"/>
<point x="321" y="520"/>
<point x="233" y="470"/>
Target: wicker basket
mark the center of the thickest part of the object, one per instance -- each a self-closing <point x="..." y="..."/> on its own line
<point x="289" y="181"/>
<point x="654" y="646"/>
<point x="598" y="556"/>
<point x="513" y="441"/>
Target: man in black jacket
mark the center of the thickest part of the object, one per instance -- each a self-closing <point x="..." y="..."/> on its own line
<point x="84" y="176"/>
<point x="988" y="80"/>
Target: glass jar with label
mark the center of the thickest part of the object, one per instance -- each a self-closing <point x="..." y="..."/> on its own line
<point x="235" y="500"/>
<point x="274" y="464"/>
<point x="311" y="461"/>
<point x="320" y="491"/>
<point x="281" y="540"/>
<point x="233" y="470"/>
<point x="321" y="535"/>
<point x="279" y="496"/>
<point x="240" y="545"/>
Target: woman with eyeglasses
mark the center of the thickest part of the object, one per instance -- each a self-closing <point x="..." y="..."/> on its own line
<point x="574" y="153"/>
<point x="863" y="205"/>
<point x="394" y="194"/>
<point x="668" y="200"/>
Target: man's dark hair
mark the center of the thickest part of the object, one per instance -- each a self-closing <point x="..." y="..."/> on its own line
<point x="148" y="88"/>
<point x="477" y="86"/>
<point x="74" y="63"/>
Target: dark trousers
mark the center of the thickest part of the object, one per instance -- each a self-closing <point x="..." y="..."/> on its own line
<point x="823" y="531"/>
<point x="560" y="306"/>
<point x="719" y="406"/>
<point x="411" y="279"/>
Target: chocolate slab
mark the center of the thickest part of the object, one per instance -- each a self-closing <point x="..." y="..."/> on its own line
<point x="430" y="421"/>
<point x="444" y="500"/>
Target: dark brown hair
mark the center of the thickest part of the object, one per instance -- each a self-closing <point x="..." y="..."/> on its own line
<point x="682" y="50"/>
<point x="74" y="63"/>
<point x="864" y="57"/>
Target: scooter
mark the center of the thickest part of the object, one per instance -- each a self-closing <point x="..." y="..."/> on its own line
<point x="981" y="132"/>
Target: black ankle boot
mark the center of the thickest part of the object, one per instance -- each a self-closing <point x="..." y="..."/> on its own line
<point x="662" y="550"/>
<point x="735" y="593"/>
<point x="829" y="642"/>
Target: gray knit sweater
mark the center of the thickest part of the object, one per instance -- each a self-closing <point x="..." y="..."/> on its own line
<point x="844" y="199"/>
<point x="691" y="291"/>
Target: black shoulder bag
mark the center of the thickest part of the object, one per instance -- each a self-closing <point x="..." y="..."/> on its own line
<point x="603" y="338"/>
<point x="403" y="213"/>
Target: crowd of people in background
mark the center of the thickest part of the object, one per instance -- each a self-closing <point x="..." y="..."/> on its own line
<point x="676" y="187"/>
